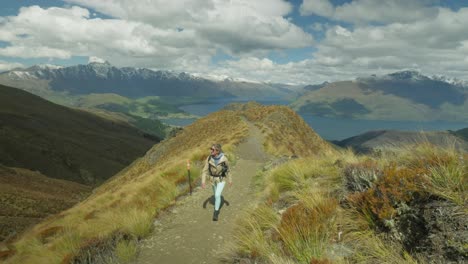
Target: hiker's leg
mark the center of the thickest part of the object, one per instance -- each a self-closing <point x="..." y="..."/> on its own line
<point x="218" y="190"/>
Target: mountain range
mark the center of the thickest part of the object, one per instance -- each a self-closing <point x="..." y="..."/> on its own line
<point x="132" y="82"/>
<point x="404" y="95"/>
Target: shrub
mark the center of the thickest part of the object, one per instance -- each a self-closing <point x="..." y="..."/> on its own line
<point x="396" y="186"/>
<point x="359" y="177"/>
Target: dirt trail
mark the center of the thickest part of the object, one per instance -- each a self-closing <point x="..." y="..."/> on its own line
<point x="186" y="233"/>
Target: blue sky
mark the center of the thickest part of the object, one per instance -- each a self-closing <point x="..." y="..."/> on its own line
<point x="298" y="41"/>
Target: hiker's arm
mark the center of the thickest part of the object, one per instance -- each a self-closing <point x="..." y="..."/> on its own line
<point x="228" y="172"/>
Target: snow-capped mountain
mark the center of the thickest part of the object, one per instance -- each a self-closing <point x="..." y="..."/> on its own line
<point x="415" y="76"/>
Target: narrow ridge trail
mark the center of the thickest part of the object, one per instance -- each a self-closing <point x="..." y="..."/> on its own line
<point x="186" y="232"/>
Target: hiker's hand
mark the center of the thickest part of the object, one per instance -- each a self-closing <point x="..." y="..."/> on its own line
<point x="230" y="184"/>
<point x="203" y="185"/>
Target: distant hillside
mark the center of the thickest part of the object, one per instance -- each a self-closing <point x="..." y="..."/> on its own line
<point x="27" y="197"/>
<point x="64" y="143"/>
<point x="399" y="96"/>
<point x="463" y="133"/>
<point x="381" y="139"/>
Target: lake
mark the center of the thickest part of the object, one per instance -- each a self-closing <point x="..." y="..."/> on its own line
<point x="327" y="128"/>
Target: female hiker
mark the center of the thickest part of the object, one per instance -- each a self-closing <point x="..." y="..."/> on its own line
<point x="217" y="169"/>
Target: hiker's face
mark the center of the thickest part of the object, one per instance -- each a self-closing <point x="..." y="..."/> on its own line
<point x="214" y="151"/>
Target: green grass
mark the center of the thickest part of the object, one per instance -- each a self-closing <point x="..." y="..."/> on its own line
<point x="126" y="251"/>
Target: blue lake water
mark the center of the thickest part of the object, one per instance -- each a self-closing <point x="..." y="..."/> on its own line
<point x="328" y="128"/>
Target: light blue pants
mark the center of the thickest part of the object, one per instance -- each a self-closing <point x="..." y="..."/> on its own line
<point x="217" y="190"/>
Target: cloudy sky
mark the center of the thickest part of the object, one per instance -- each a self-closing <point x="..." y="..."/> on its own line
<point x="300" y="41"/>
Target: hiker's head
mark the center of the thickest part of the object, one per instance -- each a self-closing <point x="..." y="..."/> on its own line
<point x="216" y="149"/>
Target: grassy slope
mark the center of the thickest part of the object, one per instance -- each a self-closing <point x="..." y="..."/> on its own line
<point x="27" y="197"/>
<point x="64" y="143"/>
<point x="127" y="203"/>
<point x="377" y="105"/>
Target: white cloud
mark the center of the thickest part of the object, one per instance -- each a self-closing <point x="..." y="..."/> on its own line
<point x="318" y="7"/>
<point x="168" y="36"/>
<point x="94" y="59"/>
<point x="236" y="27"/>
<point x="156" y="34"/>
<point x="34" y="52"/>
<point x="362" y="11"/>
<point x="6" y="66"/>
<point x="433" y="46"/>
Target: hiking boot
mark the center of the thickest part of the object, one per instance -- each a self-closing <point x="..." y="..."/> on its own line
<point x="215" y="215"/>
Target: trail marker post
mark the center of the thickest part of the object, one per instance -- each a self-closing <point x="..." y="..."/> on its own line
<point x="188" y="172"/>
